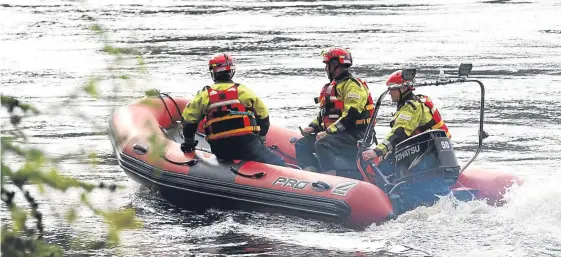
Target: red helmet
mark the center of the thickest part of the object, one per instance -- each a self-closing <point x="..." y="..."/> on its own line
<point x="396" y="79"/>
<point x="343" y="55"/>
<point x="220" y="63"/>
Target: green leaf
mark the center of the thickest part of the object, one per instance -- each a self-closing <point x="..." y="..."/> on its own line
<point x="122" y="219"/>
<point x="35" y="155"/>
<point x="57" y="181"/>
<point x="84" y="197"/>
<point x="93" y="159"/>
<point x="117" y="50"/>
<point x="140" y="62"/>
<point x="19" y="217"/>
<point x="6" y="171"/>
<point x="10" y="103"/>
<point x="29" y="107"/>
<point x="8" y="145"/>
<point x="91" y="87"/>
<point x="119" y="220"/>
<point x="97" y="29"/>
<point x="113" y="236"/>
<point x="51" y="250"/>
<point x="41" y="188"/>
<point x="71" y="215"/>
<point x="151" y="92"/>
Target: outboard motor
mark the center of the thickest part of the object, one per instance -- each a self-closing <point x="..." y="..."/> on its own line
<point x="425" y="166"/>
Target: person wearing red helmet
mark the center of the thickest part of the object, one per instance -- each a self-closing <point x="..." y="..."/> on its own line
<point x="415" y="114"/>
<point x="345" y="110"/>
<point x="237" y="120"/>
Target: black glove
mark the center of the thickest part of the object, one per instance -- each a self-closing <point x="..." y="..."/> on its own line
<point x="189" y="145"/>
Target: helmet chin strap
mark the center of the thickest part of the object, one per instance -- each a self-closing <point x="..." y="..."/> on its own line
<point x="402" y="95"/>
<point x="330" y="74"/>
<point x="212" y="76"/>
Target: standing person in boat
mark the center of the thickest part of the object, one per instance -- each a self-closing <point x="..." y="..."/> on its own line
<point x="345" y="110"/>
<point x="415" y="114"/>
<point x="237" y="120"/>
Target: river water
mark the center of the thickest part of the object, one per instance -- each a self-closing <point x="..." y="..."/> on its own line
<point x="47" y="51"/>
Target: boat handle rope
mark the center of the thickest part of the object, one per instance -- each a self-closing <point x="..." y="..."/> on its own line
<point x="276" y="148"/>
<point x="255" y="176"/>
<point x="189" y="163"/>
<point x="321" y="184"/>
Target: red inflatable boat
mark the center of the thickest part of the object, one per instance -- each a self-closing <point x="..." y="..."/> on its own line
<point x="145" y="136"/>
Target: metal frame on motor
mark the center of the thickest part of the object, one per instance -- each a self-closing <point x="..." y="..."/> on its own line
<point x="409" y="74"/>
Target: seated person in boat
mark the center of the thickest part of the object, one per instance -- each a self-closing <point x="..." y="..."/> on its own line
<point x="237" y="120"/>
<point x="345" y="110"/>
<point x="415" y="114"/>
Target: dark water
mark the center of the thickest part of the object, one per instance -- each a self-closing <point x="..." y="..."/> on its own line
<point x="47" y="51"/>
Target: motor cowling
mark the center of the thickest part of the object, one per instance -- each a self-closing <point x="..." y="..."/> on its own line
<point x="425" y="166"/>
<point x="426" y="156"/>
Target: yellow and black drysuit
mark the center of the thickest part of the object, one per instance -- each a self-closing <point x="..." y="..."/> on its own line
<point x="345" y="110"/>
<point x="236" y="118"/>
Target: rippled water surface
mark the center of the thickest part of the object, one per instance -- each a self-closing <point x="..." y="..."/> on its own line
<point x="47" y="50"/>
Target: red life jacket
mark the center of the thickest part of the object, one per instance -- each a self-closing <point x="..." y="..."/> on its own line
<point x="332" y="108"/>
<point x="227" y="116"/>
<point x="436" y="121"/>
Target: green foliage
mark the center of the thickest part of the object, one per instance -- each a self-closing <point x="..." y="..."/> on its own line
<point x="117" y="50"/>
<point x="14" y="245"/>
<point x="71" y="215"/>
<point x="35" y="167"/>
<point x="32" y="166"/>
<point x="91" y="86"/>
<point x="97" y="29"/>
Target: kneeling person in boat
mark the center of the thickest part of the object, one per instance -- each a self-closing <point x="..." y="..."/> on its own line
<point x="415" y="114"/>
<point x="345" y="110"/>
<point x="237" y="121"/>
